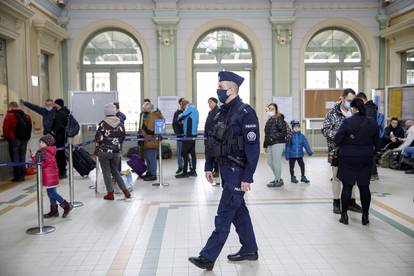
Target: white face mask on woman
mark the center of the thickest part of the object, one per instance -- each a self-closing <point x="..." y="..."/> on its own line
<point x="270" y="114"/>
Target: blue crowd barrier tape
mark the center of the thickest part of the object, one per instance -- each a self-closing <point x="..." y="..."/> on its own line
<point x="15" y="164"/>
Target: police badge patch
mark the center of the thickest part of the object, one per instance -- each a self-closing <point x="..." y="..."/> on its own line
<point x="251" y="136"/>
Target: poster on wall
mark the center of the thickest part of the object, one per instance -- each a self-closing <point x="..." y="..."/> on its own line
<point x="285" y="105"/>
<point x="168" y="105"/>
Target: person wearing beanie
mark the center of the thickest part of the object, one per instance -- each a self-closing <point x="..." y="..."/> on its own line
<point x="50" y="177"/>
<point x="59" y="133"/>
<point x="294" y="152"/>
<point x="108" y="138"/>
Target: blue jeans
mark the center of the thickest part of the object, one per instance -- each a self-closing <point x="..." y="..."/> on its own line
<point x="150" y="156"/>
<point x="180" y="160"/>
<point x="409" y="152"/>
<point x="54" y="196"/>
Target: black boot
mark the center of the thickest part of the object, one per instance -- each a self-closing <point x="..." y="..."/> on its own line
<point x="365" y="219"/>
<point x="337" y="206"/>
<point x="354" y="207"/>
<point x="67" y="207"/>
<point x="53" y="212"/>
<point x="344" y="218"/>
<point x="202" y="262"/>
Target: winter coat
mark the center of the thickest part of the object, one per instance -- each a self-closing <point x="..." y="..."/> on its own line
<point x="110" y="135"/>
<point x="371" y="109"/>
<point x="398" y="133"/>
<point x="147" y="129"/>
<point x="294" y="148"/>
<point x="190" y="118"/>
<point x="122" y="117"/>
<point x="276" y="131"/>
<point x="210" y="120"/>
<point x="50" y="171"/>
<point x="333" y="121"/>
<point x="59" y="126"/>
<point x="178" y="128"/>
<point x="47" y="116"/>
<point x="10" y="123"/>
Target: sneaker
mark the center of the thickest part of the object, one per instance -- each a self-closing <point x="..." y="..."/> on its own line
<point x="193" y="173"/>
<point x="294" y="180"/>
<point x="276" y="184"/>
<point x="150" y="178"/>
<point x="182" y="175"/>
<point x="179" y="171"/>
<point x="304" y="179"/>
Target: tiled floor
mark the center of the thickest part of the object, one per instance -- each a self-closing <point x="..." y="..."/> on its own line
<point x="156" y="231"/>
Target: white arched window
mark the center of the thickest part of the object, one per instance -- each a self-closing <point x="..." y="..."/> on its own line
<point x="333" y="59"/>
<point x="216" y="51"/>
<point x="112" y="61"/>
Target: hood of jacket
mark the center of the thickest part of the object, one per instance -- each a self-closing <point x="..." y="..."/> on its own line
<point x="112" y="121"/>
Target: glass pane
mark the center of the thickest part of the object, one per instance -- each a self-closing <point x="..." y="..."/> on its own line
<point x="332" y="46"/>
<point x="44" y="75"/>
<point x="112" y="47"/>
<point x="98" y="81"/>
<point x="129" y="93"/>
<point x="222" y="47"/>
<point x="317" y="79"/>
<point x="347" y="79"/>
<point x="410" y="76"/>
<point x="207" y="86"/>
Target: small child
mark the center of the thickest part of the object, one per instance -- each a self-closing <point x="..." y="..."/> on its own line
<point x="294" y="152"/>
<point x="50" y="176"/>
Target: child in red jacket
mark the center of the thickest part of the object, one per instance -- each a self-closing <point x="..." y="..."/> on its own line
<point x="50" y="176"/>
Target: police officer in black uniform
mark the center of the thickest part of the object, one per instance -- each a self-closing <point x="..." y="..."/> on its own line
<point x="234" y="143"/>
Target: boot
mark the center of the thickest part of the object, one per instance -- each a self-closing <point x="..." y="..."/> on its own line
<point x="354" y="207"/>
<point x="293" y="179"/>
<point x="344" y="218"/>
<point x="337" y="206"/>
<point x="126" y="193"/>
<point x="365" y="219"/>
<point x="304" y="179"/>
<point x="54" y="212"/>
<point x="109" y="196"/>
<point x="67" y="207"/>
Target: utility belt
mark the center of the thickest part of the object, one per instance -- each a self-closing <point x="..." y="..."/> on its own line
<point x="232" y="161"/>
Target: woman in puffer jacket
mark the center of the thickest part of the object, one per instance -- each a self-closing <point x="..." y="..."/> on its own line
<point x="276" y="135"/>
<point x="50" y="177"/>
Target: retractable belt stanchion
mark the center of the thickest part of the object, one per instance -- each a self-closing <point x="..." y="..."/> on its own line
<point x="41" y="229"/>
<point x="71" y="181"/>
<point x="97" y="173"/>
<point x="161" y="182"/>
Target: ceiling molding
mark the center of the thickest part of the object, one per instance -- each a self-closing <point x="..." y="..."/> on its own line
<point x="50" y="28"/>
<point x="16" y="9"/>
<point x="394" y="30"/>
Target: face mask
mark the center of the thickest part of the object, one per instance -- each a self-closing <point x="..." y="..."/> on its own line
<point x="222" y="95"/>
<point x="347" y="105"/>
<point x="49" y="108"/>
<point x="271" y="113"/>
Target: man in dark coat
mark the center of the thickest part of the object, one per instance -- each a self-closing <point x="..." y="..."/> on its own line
<point x="371" y="110"/>
<point x="59" y="133"/>
<point x="47" y="112"/>
<point x="179" y="132"/>
<point x="214" y="109"/>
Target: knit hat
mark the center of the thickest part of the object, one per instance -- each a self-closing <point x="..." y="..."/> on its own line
<point x="294" y="123"/>
<point x="109" y="109"/>
<point x="60" y="102"/>
<point x="48" y="139"/>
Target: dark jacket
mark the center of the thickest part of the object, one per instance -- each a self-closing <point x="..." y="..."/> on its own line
<point x="177" y="127"/>
<point x="10" y="123"/>
<point x="294" y="148"/>
<point x="47" y="116"/>
<point x="357" y="137"/>
<point x="110" y="135"/>
<point x="275" y="131"/>
<point x="210" y="120"/>
<point x="59" y="126"/>
<point x="371" y="109"/>
<point x="398" y="132"/>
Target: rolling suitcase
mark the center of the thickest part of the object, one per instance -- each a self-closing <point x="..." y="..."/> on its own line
<point x="83" y="162"/>
<point x="137" y="164"/>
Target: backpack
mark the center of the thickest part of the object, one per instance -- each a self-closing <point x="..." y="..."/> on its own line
<point x="23" y="129"/>
<point x="384" y="161"/>
<point x="72" y="127"/>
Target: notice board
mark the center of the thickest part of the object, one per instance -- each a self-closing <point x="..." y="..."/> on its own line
<point x="318" y="102"/>
<point x="400" y="102"/>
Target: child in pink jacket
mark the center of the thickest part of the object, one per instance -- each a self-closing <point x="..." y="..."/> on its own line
<point x="50" y="176"/>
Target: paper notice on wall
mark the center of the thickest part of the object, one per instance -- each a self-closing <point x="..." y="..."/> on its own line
<point x="329" y="105"/>
<point x="168" y="105"/>
<point x="395" y="102"/>
<point x="285" y="105"/>
<point x="35" y="81"/>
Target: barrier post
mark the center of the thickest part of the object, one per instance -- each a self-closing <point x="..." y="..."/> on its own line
<point x="161" y="182"/>
<point x="97" y="173"/>
<point x="71" y="181"/>
<point x="40" y="229"/>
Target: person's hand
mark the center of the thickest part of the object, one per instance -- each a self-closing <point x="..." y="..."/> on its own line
<point x="245" y="187"/>
<point x="209" y="177"/>
<point x="393" y="139"/>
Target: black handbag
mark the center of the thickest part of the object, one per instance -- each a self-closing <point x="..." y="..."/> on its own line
<point x="333" y="157"/>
